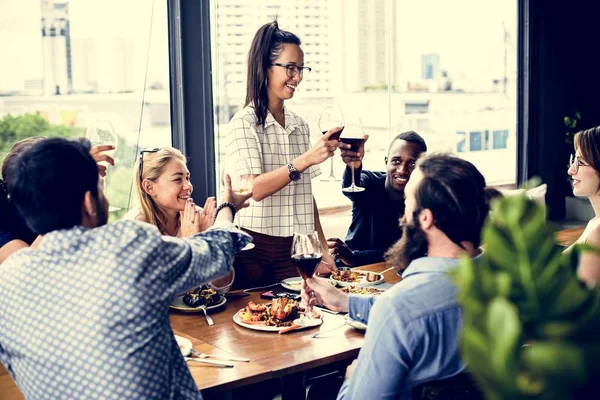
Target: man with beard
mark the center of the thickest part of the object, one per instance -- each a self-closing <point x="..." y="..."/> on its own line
<point x="86" y="314"/>
<point x="376" y="210"/>
<point x="414" y="327"/>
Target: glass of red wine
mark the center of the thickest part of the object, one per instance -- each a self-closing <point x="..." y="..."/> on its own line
<point x="306" y="254"/>
<point x="331" y="117"/>
<point x="354" y="135"/>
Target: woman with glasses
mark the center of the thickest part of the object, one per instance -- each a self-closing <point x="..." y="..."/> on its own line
<point x="276" y="143"/>
<point x="164" y="195"/>
<point x="584" y="170"/>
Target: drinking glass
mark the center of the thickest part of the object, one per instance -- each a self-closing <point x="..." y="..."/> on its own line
<point x="306" y="254"/>
<point x="102" y="133"/>
<point x="242" y="180"/>
<point x="354" y="136"/>
<point x="331" y="117"/>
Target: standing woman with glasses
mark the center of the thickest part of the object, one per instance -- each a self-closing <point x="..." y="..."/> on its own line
<point x="164" y="195"/>
<point x="276" y="144"/>
<point x="584" y="170"/>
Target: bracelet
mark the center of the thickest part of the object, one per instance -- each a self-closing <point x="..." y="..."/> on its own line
<point x="223" y="205"/>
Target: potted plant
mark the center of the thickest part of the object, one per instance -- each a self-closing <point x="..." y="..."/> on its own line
<point x="530" y="326"/>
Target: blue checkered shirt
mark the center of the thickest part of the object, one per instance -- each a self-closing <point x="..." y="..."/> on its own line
<point x="86" y="315"/>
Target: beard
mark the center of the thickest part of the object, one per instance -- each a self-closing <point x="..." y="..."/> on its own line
<point x="412" y="245"/>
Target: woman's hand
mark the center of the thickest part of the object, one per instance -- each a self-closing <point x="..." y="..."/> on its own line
<point x="322" y="150"/>
<point x="327" y="264"/>
<point x="206" y="216"/>
<point x="189" y="220"/>
<point x="239" y="200"/>
<point x="98" y="156"/>
<point x="350" y="157"/>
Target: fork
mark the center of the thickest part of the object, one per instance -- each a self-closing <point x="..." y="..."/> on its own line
<point x="224" y="358"/>
<point x="208" y="318"/>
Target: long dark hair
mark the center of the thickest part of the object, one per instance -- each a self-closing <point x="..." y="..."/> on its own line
<point x="266" y="47"/>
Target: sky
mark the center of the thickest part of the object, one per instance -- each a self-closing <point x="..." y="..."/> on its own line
<point x="467" y="34"/>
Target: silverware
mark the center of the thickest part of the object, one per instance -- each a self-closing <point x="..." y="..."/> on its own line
<point x="208" y="318"/>
<point x="326" y="310"/>
<point x="217" y="363"/>
<point x="329" y="330"/>
<point x="225" y="358"/>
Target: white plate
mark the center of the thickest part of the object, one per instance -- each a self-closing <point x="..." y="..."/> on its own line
<point x="178" y="304"/>
<point x="184" y="345"/>
<point x="259" y="327"/>
<point x="362" y="283"/>
<point x="294" y="284"/>
<point x="355" y="324"/>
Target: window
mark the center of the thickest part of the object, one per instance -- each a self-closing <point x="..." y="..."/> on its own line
<point x="475" y="141"/>
<point x="500" y="139"/>
<point x="444" y="87"/>
<point x="461" y="142"/>
<point x="76" y="75"/>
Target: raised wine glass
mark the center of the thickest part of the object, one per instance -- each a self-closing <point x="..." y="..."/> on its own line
<point x="354" y="136"/>
<point x="331" y="117"/>
<point x="102" y="133"/>
<point x="242" y="180"/>
<point x="306" y="254"/>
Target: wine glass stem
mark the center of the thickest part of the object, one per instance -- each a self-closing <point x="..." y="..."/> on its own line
<point x="331" y="169"/>
<point x="309" y="314"/>
<point x="353" y="184"/>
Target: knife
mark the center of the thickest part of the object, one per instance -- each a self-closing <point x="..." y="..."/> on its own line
<point x="224" y="358"/>
<point x="217" y="363"/>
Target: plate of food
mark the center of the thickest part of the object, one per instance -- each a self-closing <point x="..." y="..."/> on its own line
<point x="185" y="345"/>
<point x="356" y="278"/>
<point x="294" y="284"/>
<point x="355" y="324"/>
<point x="196" y="299"/>
<point x="279" y="314"/>
<point x="362" y="291"/>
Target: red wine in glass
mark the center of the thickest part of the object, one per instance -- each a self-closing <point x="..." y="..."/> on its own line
<point x="306" y="264"/>
<point x="336" y="135"/>
<point x="355" y="143"/>
<point x="355" y="137"/>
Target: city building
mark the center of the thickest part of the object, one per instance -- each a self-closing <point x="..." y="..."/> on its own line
<point x="430" y="66"/>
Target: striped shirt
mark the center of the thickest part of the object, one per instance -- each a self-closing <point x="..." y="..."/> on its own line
<point x="268" y="148"/>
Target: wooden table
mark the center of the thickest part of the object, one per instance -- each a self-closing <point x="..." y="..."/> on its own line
<point x="287" y="356"/>
<point x="567" y="237"/>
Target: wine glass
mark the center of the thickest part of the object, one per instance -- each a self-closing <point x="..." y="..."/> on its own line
<point x="102" y="133"/>
<point x="242" y="180"/>
<point x="331" y="117"/>
<point x="306" y="254"/>
<point x="354" y="136"/>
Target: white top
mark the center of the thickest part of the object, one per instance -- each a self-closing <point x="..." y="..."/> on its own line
<point x="291" y="209"/>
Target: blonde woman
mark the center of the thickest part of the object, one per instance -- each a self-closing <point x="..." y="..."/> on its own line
<point x="164" y="194"/>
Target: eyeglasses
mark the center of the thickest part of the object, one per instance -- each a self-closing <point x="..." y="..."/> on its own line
<point x="145" y="150"/>
<point x="292" y="69"/>
<point x="574" y="161"/>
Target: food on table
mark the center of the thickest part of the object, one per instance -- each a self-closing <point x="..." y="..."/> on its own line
<point x="347" y="276"/>
<point x="368" y="291"/>
<point x="280" y="312"/>
<point x="201" y="296"/>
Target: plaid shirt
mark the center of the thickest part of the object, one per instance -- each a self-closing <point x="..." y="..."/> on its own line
<point x="86" y="315"/>
<point x="268" y="148"/>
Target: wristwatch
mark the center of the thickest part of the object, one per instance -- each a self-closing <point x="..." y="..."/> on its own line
<point x="294" y="174"/>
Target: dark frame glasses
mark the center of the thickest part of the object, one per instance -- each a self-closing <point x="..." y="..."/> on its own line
<point x="145" y="150"/>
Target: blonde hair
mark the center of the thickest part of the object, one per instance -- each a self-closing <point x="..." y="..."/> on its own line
<point x="153" y="165"/>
